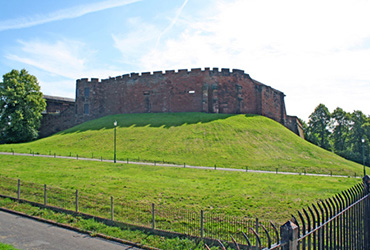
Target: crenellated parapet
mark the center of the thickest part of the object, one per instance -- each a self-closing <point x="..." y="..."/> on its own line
<point x="166" y="73"/>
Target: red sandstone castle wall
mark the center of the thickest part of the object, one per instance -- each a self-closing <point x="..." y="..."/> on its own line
<point x="197" y="90"/>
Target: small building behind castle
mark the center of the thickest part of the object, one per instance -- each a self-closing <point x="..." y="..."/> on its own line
<point x="195" y="90"/>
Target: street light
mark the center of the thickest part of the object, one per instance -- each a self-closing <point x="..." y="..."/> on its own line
<point x="363" y="154"/>
<point x="115" y="127"/>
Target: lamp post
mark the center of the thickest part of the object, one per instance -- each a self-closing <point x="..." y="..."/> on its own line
<point x="363" y="154"/>
<point x="115" y="127"/>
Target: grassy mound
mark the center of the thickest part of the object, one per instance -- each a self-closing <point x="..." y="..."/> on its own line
<point x="232" y="141"/>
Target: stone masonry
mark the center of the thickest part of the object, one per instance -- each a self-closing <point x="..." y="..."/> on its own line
<point x="195" y="90"/>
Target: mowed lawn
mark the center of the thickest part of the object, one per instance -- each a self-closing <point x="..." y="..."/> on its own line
<point x="224" y="140"/>
<point x="267" y="196"/>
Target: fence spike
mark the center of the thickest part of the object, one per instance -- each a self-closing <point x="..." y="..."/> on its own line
<point x="268" y="235"/>
<point x="205" y="245"/>
<point x="352" y="195"/>
<point x="308" y="220"/>
<point x="303" y="223"/>
<point x="295" y="221"/>
<point x="248" y="241"/>
<point x="347" y="197"/>
<point x="337" y="205"/>
<point x="276" y="232"/>
<point x="222" y="245"/>
<point x="257" y="237"/>
<point x="317" y="213"/>
<point x="343" y="203"/>
<point x="313" y="218"/>
<point x="235" y="243"/>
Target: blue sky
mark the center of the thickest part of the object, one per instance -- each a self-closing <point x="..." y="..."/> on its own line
<point x="313" y="51"/>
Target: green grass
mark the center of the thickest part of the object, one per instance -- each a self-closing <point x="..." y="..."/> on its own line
<point x="267" y="196"/>
<point x="234" y="141"/>
<point x="6" y="247"/>
<point x="96" y="227"/>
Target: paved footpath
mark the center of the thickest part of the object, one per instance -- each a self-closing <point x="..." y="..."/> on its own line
<point x="28" y="234"/>
<point x="177" y="166"/>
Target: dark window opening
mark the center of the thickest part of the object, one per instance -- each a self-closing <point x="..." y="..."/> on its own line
<point x="86" y="109"/>
<point x="87" y="92"/>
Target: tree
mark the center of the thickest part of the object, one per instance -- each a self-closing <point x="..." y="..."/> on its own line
<point x="341" y="122"/>
<point x="21" y="104"/>
<point x="318" y="127"/>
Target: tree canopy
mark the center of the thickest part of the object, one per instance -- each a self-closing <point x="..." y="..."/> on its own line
<point x="21" y="105"/>
<point x="341" y="132"/>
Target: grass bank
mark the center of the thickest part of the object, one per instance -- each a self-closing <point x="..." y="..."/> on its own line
<point x="267" y="196"/>
<point x="233" y="141"/>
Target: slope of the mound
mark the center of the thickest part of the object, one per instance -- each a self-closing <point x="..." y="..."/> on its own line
<point x="234" y="141"/>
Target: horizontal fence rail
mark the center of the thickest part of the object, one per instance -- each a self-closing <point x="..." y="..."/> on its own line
<point x="203" y="224"/>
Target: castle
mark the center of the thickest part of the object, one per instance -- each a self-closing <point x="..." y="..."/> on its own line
<point x="195" y="90"/>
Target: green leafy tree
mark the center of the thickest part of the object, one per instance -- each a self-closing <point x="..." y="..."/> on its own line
<point x="318" y="127"/>
<point x="21" y="104"/>
<point x="341" y="121"/>
<point x="357" y="133"/>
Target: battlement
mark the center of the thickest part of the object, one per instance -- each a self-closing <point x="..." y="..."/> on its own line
<point x="133" y="75"/>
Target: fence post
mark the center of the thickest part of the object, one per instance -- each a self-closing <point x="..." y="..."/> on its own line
<point x="153" y="216"/>
<point x="76" y="200"/>
<point x="45" y="195"/>
<point x="201" y="224"/>
<point x="111" y="208"/>
<point x="257" y="225"/>
<point x="19" y="189"/>
<point x="289" y="236"/>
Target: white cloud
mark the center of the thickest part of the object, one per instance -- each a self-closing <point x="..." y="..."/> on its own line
<point x="61" y="63"/>
<point x="313" y="51"/>
<point x="64" y="58"/>
<point x="68" y="13"/>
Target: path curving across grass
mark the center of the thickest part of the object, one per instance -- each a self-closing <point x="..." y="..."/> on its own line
<point x="199" y="139"/>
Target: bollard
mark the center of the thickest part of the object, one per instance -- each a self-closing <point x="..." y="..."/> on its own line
<point x="127" y="160"/>
<point x="45" y="195"/>
<point x="101" y="158"/>
<point x="76" y="200"/>
<point x="111" y="209"/>
<point x="201" y="224"/>
<point x="54" y="155"/>
<point x="19" y="189"/>
<point x="184" y="164"/>
<point x="246" y="169"/>
<point x="277" y="170"/>
<point x="77" y="156"/>
<point x="92" y="155"/>
<point x="153" y="216"/>
<point x="215" y="166"/>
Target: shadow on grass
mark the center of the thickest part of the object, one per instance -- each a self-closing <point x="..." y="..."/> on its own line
<point x="164" y="120"/>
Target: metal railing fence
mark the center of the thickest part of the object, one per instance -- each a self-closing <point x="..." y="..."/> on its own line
<point x="188" y="222"/>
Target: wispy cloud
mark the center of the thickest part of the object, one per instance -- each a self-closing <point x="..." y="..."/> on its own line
<point x="67" y="13"/>
<point x="67" y="58"/>
<point x="300" y="49"/>
<point x="173" y="22"/>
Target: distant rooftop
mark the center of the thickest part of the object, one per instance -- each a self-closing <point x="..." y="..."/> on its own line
<point x="58" y="98"/>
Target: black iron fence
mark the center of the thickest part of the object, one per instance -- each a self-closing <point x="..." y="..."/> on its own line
<point x="340" y="222"/>
<point x="157" y="218"/>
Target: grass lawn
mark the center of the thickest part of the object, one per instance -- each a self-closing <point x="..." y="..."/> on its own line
<point x="6" y="247"/>
<point x="267" y="196"/>
<point x="234" y="141"/>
